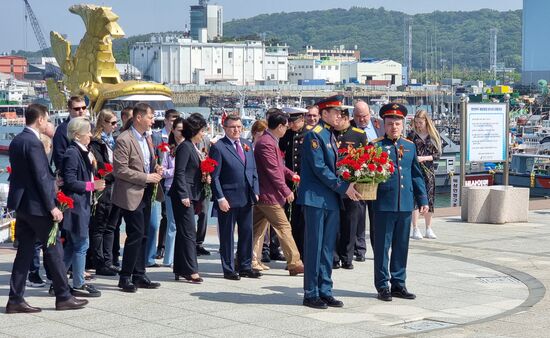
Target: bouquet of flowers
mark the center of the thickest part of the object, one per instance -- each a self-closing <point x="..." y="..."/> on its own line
<point x="207" y="167"/>
<point x="367" y="166"/>
<point x="65" y="202"/>
<point x="106" y="170"/>
<point x="163" y="147"/>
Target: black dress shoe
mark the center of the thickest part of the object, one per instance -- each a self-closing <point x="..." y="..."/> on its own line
<point x="232" y="276"/>
<point x="277" y="257"/>
<point x="384" y="294"/>
<point x="22" y="307"/>
<point x="115" y="268"/>
<point x="143" y="282"/>
<point x="347" y="266"/>
<point x="315" y="303"/>
<point x="332" y="302"/>
<point x="401" y="292"/>
<point x="126" y="285"/>
<point x="250" y="273"/>
<point x="336" y="265"/>
<point x="155" y="265"/>
<point x="70" y="304"/>
<point x="201" y="251"/>
<point x="86" y="290"/>
<point x="265" y="257"/>
<point x="359" y="258"/>
<point x="105" y="272"/>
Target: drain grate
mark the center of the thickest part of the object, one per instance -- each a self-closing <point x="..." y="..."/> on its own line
<point x="499" y="280"/>
<point x="425" y="324"/>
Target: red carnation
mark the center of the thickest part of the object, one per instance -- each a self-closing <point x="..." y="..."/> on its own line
<point x="108" y="167"/>
<point x="372" y="167"/>
<point x="163" y="147"/>
<point x="8" y="169"/>
<point x="346" y="175"/>
<point x="379" y="169"/>
<point x="296" y="179"/>
<point x="208" y="165"/>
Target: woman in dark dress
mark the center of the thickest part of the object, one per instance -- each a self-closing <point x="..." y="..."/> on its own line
<point x="185" y="192"/>
<point x="101" y="230"/>
<point x="428" y="149"/>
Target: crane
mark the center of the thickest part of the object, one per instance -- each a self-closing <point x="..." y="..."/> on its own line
<point x="36" y="28"/>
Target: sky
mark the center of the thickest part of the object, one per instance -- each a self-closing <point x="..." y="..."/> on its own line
<point x="146" y="16"/>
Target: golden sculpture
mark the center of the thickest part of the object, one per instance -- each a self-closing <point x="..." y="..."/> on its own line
<point x="92" y="71"/>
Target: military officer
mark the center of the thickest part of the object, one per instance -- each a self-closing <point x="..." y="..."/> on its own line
<point x="290" y="145"/>
<point x="319" y="193"/>
<point x="353" y="216"/>
<point x="393" y="206"/>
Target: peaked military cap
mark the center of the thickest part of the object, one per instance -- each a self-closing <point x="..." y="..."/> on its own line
<point x="294" y="113"/>
<point x="336" y="102"/>
<point x="393" y="110"/>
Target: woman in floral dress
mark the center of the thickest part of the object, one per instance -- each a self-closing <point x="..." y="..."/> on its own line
<point x="428" y="149"/>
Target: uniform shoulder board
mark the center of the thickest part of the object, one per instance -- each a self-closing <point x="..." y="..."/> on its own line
<point x="308" y="127"/>
<point x="406" y="139"/>
<point x="317" y="129"/>
<point x="358" y="130"/>
<point x="377" y="139"/>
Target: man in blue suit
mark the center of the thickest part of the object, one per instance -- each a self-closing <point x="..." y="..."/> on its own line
<point x="77" y="107"/>
<point x="320" y="193"/>
<point x="235" y="189"/>
<point x="394" y="204"/>
<point x="32" y="196"/>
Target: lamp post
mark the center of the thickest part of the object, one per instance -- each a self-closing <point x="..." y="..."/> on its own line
<point x="505" y="174"/>
<point x="463" y="147"/>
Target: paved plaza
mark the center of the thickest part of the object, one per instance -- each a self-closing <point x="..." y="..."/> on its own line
<point x="475" y="280"/>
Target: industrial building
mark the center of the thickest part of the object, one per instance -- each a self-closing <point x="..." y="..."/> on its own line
<point x="16" y="66"/>
<point x="209" y="17"/>
<point x="276" y="64"/>
<point x="372" y="72"/>
<point x="326" y="69"/>
<point x="177" y="60"/>
<point x="535" y="48"/>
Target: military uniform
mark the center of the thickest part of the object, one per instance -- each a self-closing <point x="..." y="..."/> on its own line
<point x="353" y="216"/>
<point x="291" y="145"/>
<point x="319" y="193"/>
<point x="393" y="208"/>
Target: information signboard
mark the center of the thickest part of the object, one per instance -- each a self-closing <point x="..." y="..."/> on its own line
<point x="486" y="132"/>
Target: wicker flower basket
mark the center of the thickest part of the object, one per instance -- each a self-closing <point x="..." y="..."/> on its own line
<point x="367" y="190"/>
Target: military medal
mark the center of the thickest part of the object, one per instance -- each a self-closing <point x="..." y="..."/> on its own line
<point x="400" y="151"/>
<point x="314" y="144"/>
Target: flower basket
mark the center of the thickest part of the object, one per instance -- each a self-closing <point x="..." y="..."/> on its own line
<point x="367" y="190"/>
<point x="366" y="167"/>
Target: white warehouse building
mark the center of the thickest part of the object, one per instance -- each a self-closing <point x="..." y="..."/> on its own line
<point x="176" y="60"/>
<point x="313" y="69"/>
<point x="375" y="72"/>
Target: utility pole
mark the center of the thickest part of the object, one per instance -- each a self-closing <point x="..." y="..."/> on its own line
<point x="493" y="52"/>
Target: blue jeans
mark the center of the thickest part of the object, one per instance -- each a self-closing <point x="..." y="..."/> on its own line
<point x="75" y="255"/>
<point x="170" y="238"/>
<point x="152" y="234"/>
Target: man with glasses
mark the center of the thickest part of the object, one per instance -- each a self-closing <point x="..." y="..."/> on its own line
<point x="312" y="115"/>
<point x="374" y="128"/>
<point x="76" y="107"/>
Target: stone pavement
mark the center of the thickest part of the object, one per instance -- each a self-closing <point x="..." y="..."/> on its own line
<point x="475" y="280"/>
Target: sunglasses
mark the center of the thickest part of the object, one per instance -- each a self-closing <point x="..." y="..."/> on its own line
<point x="79" y="108"/>
<point x="112" y="123"/>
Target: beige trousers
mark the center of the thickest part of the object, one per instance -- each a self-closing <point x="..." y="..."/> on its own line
<point x="275" y="216"/>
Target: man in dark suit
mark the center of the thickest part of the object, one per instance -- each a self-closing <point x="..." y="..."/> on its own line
<point x="235" y="189"/>
<point x="76" y="107"/>
<point x="395" y="201"/>
<point x="135" y="174"/>
<point x="374" y="128"/>
<point x="32" y="196"/>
